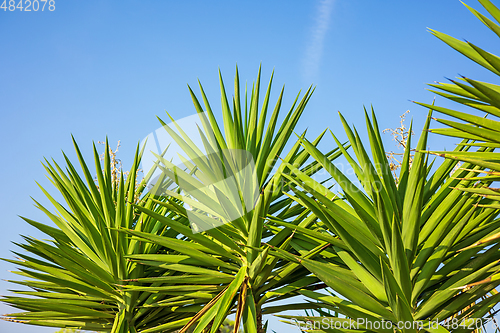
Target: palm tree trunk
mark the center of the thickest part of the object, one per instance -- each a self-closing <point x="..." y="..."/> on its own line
<point x="260" y="327"/>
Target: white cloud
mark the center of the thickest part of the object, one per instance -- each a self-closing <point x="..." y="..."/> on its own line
<point x="314" y="50"/>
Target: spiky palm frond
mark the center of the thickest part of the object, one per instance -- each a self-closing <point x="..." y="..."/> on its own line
<point x="403" y="252"/>
<point x="237" y="243"/>
<point x="82" y="277"/>
<point x="478" y="96"/>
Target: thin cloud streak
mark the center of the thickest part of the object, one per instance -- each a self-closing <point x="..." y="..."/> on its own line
<point x="314" y="51"/>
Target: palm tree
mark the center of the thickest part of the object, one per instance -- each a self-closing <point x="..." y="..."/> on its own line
<point x="396" y="253"/>
<point x="78" y="276"/>
<point x="235" y="247"/>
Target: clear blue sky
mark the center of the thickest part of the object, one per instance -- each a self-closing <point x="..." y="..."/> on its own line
<point x="96" y="68"/>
